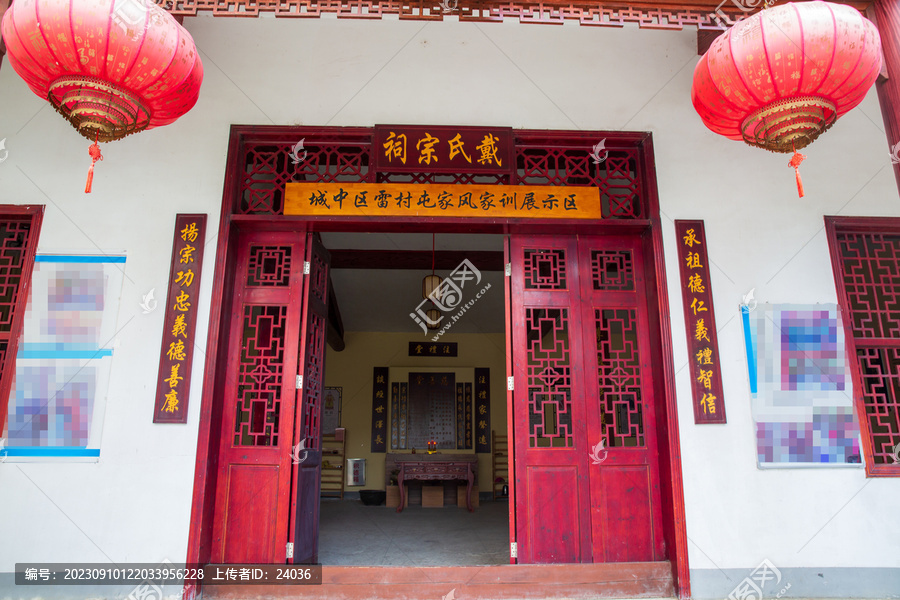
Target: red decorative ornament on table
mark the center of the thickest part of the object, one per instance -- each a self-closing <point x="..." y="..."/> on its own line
<point x="782" y="77"/>
<point x="110" y="67"/>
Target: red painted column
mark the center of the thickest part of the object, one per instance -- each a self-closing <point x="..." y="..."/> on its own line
<point x="887" y="16"/>
<point x="4" y="4"/>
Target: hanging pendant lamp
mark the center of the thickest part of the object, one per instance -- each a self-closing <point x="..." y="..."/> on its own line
<point x="434" y="316"/>
<point x="432" y="282"/>
<point x="780" y="78"/>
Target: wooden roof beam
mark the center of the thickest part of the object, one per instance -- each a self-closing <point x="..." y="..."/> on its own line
<point x="484" y="260"/>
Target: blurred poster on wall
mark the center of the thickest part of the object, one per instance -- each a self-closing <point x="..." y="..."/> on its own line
<point x="331" y="410"/>
<point x="801" y="392"/>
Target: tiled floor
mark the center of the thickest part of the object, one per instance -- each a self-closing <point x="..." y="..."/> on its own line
<point x="351" y="533"/>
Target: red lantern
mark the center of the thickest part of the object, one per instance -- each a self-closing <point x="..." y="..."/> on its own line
<point x="782" y="77"/>
<point x="110" y="67"/>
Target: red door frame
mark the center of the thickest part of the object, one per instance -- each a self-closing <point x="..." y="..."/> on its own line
<point x="203" y="500"/>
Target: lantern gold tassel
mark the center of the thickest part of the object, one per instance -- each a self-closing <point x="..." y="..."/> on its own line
<point x="94" y="151"/>
<point x="795" y="162"/>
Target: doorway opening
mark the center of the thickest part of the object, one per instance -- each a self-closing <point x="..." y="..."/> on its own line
<point x="556" y="326"/>
<point x="377" y="282"/>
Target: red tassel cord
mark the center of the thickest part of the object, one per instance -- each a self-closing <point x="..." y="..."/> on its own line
<point x="94" y="151"/>
<point x="795" y="162"/>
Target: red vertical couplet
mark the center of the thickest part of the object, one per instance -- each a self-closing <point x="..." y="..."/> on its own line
<point x="174" y="379"/>
<point x="700" y="323"/>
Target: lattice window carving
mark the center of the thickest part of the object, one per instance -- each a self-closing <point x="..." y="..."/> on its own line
<point x="616" y="176"/>
<point x="549" y="159"/>
<point x="260" y="376"/>
<point x="549" y="378"/>
<point x="19" y="229"/>
<point x="545" y="269"/>
<point x="612" y="270"/>
<point x="13" y="240"/>
<point x="268" y="167"/>
<point x="871" y="271"/>
<point x="880" y="373"/>
<point x="619" y="377"/>
<point x="585" y="13"/>
<point x="620" y="191"/>
<point x="269" y="266"/>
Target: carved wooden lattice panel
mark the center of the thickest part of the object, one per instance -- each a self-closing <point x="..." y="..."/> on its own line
<point x="267" y="167"/>
<point x="269" y="266"/>
<point x="269" y="161"/>
<point x="870" y="269"/>
<point x="619" y="377"/>
<point x="454" y="179"/>
<point x="13" y="239"/>
<point x="880" y="374"/>
<point x="549" y="378"/>
<point x="619" y="189"/>
<point x="870" y="265"/>
<point x="616" y="176"/>
<point x="314" y="344"/>
<point x="612" y="270"/>
<point x="545" y="269"/>
<point x="13" y="242"/>
<point x="313" y="379"/>
<point x="318" y="277"/>
<point x="260" y="376"/>
<point x="596" y="14"/>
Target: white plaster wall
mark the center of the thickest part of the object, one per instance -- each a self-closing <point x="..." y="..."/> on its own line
<point x="134" y="505"/>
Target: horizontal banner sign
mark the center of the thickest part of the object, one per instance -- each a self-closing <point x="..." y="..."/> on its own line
<point x="442" y="149"/>
<point x="440" y="200"/>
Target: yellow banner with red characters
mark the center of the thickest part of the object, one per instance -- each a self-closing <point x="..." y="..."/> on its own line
<point x="439" y="200"/>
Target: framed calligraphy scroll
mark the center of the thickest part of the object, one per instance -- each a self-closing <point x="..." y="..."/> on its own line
<point x="700" y="322"/>
<point x="174" y="379"/>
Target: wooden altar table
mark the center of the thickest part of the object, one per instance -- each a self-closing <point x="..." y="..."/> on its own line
<point x="430" y="469"/>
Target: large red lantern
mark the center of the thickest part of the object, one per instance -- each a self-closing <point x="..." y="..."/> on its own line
<point x="110" y="67"/>
<point x="782" y="77"/>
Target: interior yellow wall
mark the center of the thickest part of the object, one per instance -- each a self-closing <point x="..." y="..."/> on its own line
<point x="351" y="370"/>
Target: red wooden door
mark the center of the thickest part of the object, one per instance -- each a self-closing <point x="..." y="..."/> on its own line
<point x="626" y="516"/>
<point x="580" y="351"/>
<point x="253" y="490"/>
<point x="307" y="461"/>
<point x="552" y="500"/>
